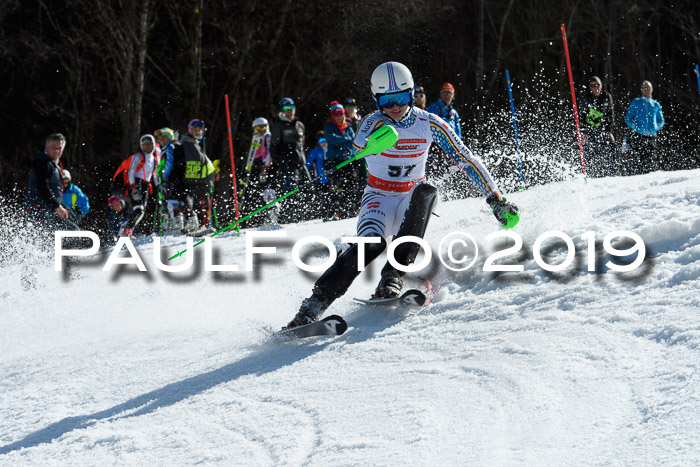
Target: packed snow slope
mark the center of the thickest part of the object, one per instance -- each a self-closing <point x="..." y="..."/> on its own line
<point x="575" y="367"/>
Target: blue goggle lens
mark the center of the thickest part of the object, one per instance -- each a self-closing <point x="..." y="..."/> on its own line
<point x="387" y="101"/>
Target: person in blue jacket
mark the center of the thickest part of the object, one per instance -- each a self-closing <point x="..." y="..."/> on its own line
<point x="314" y="164"/>
<point x="437" y="166"/>
<point x="74" y="199"/>
<point x="315" y="159"/>
<point x="645" y="118"/>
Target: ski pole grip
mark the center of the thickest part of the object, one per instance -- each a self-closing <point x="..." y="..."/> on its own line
<point x="382" y="139"/>
<point x="511" y="220"/>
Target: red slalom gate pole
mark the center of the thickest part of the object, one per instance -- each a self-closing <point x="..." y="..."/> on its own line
<point x="573" y="99"/>
<point x="233" y="164"/>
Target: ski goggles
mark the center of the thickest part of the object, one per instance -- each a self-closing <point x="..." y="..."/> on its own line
<point x="387" y="101"/>
<point x="287" y="108"/>
<point x="260" y="128"/>
<point x="197" y="124"/>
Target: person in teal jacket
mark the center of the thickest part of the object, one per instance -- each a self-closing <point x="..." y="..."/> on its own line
<point x="74" y="199"/>
<point x="645" y="118"/>
<point x="346" y="185"/>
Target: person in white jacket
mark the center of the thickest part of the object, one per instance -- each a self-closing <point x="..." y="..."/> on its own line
<point x="139" y="175"/>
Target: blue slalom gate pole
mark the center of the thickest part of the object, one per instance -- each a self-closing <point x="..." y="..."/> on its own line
<point x="515" y="129"/>
<point x="697" y="75"/>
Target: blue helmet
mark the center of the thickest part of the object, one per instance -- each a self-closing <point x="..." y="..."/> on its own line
<point x="286" y="101"/>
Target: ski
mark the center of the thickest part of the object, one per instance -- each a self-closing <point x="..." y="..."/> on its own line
<point x="413" y="297"/>
<point x="333" y="325"/>
<point x="201" y="232"/>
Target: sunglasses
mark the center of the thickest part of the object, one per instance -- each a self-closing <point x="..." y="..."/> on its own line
<point x="594" y="85"/>
<point x="260" y="128"/>
<point x="446" y="93"/>
<point x="198" y="124"/>
<point x="645" y="88"/>
<point x="387" y="101"/>
<point x="287" y="108"/>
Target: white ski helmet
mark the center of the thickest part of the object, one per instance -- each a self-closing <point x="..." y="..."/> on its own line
<point x="66" y="175"/>
<point x="260" y="121"/>
<point x="391" y="77"/>
<point x="147" y="139"/>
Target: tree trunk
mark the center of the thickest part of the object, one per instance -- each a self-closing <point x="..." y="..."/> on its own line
<point x="140" y="78"/>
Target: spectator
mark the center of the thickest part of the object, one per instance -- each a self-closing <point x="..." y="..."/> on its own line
<point x="287" y="146"/>
<point x="419" y="97"/>
<point x="645" y="118"/>
<point x="43" y="200"/>
<point x="314" y="164"/>
<point x="351" y="115"/>
<point x="437" y="168"/>
<point x="258" y="163"/>
<point x="74" y="199"/>
<point x="141" y="169"/>
<point x="168" y="205"/>
<point x="443" y="108"/>
<point x="194" y="175"/>
<point x="259" y="158"/>
<point x="350" y="181"/>
<point x="287" y="142"/>
<point x="167" y="141"/>
<point x="596" y="117"/>
<point x="116" y="218"/>
<point x="316" y="158"/>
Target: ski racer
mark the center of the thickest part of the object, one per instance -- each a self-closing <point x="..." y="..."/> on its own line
<point x="397" y="202"/>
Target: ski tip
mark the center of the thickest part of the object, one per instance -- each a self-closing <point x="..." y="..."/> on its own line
<point x="336" y="324"/>
<point x="414" y="297"/>
<point x="333" y="325"/>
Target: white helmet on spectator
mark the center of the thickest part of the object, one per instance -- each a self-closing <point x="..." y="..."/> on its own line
<point x="147" y="138"/>
<point x="66" y="175"/>
<point x="260" y="121"/>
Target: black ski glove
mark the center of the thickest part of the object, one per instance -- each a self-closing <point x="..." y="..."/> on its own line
<point x="505" y="212"/>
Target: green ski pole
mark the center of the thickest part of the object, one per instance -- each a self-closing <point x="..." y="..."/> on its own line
<point x="381" y="140"/>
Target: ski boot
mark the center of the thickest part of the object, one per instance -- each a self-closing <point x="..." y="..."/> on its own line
<point x="389" y="286"/>
<point x="191" y="221"/>
<point x="309" y="311"/>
